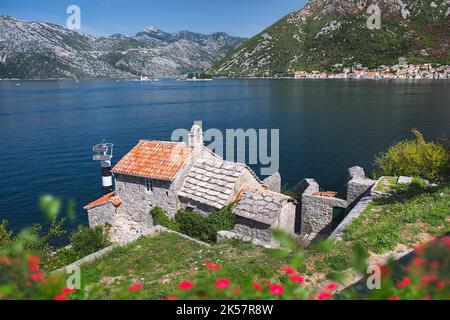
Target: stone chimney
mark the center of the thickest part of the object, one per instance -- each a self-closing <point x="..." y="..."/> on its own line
<point x="196" y="135"/>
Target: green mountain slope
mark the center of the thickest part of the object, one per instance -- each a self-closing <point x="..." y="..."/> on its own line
<point x="328" y="32"/>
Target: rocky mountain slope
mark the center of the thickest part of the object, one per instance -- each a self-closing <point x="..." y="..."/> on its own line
<point x="328" y="32"/>
<point x="39" y="50"/>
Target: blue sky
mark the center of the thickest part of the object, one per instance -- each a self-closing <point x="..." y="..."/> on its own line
<point x="236" y="17"/>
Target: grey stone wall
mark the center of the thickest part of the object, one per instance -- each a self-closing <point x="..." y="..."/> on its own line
<point x="99" y="216"/>
<point x="252" y="229"/>
<point x="137" y="201"/>
<point x="317" y="211"/>
<point x="273" y="182"/>
<point x="189" y="204"/>
<point x="357" y="185"/>
<point x="286" y="219"/>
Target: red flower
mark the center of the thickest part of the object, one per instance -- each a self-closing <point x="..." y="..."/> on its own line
<point x="324" y="295"/>
<point x="405" y="282"/>
<point x="186" y="285"/>
<point x="28" y="284"/>
<point x="331" y="286"/>
<point x="288" y="270"/>
<point x="257" y="286"/>
<point x="212" y="266"/>
<point x="135" y="287"/>
<point x="393" y="298"/>
<point x="276" y="289"/>
<point x="171" y="298"/>
<point x="419" y="248"/>
<point x="435" y="265"/>
<point x="36" y="276"/>
<point x="440" y="284"/>
<point x="418" y="261"/>
<point x="446" y="240"/>
<point x="236" y="291"/>
<point x="384" y="269"/>
<point x="426" y="279"/>
<point x="222" y="283"/>
<point x="35" y="268"/>
<point x="60" y="298"/>
<point x="67" y="291"/>
<point x="297" y="278"/>
<point x="33" y="260"/>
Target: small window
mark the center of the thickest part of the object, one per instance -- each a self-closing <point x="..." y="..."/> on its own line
<point x="149" y="185"/>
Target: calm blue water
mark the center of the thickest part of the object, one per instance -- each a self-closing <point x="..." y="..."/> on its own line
<point x="48" y="128"/>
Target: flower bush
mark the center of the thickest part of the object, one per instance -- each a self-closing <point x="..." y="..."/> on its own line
<point x="21" y="277"/>
<point x="425" y="276"/>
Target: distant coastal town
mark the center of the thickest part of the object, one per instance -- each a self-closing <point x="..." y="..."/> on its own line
<point x="402" y="70"/>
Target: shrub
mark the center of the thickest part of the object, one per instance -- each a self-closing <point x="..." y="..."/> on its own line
<point x="415" y="158"/>
<point x="339" y="262"/>
<point x="161" y="218"/>
<point x="193" y="224"/>
<point x="60" y="258"/>
<point x="5" y="234"/>
<point x="197" y="225"/>
<point x="87" y="240"/>
<point x="223" y="219"/>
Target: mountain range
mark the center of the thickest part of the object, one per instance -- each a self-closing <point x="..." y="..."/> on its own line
<point x="40" y="50"/>
<point x="326" y="33"/>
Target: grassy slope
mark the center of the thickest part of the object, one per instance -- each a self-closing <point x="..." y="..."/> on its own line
<point x="161" y="262"/>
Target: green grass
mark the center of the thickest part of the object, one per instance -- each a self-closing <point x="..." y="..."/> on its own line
<point x="386" y="184"/>
<point x="161" y="262"/>
<point x="405" y="216"/>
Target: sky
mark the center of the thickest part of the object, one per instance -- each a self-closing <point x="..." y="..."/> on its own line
<point x="100" y="17"/>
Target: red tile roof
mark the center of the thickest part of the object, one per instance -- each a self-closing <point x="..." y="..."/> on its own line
<point x="154" y="159"/>
<point x="110" y="197"/>
<point x="325" y="194"/>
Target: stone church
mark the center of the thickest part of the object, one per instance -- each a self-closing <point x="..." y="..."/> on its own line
<point x="176" y="175"/>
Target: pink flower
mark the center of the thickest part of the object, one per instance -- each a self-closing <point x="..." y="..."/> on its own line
<point x="257" y="286"/>
<point x="405" y="282"/>
<point x="297" y="278"/>
<point x="212" y="266"/>
<point x="324" y="295"/>
<point x="60" y="298"/>
<point x="171" y="298"/>
<point x="331" y="286"/>
<point x="222" y="283"/>
<point x="67" y="291"/>
<point x="186" y="285"/>
<point x="276" y="289"/>
<point x="135" y="287"/>
<point x="440" y="284"/>
<point x="393" y="298"/>
<point x="288" y="270"/>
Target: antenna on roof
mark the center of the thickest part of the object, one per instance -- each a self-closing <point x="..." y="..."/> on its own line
<point x="104" y="154"/>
